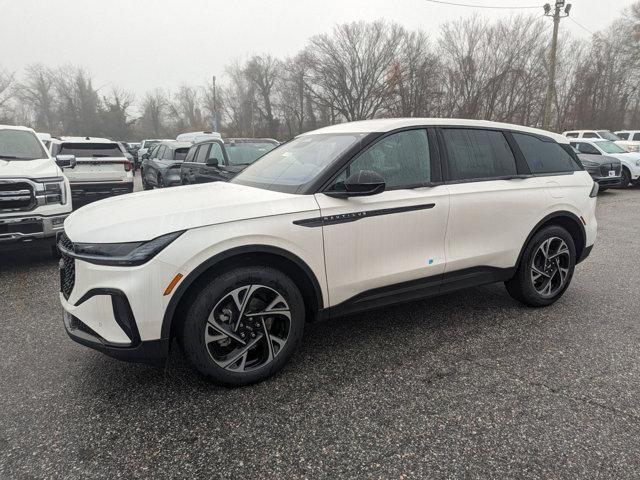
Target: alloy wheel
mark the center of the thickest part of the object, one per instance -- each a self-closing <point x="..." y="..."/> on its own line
<point x="550" y="267"/>
<point x="247" y="328"/>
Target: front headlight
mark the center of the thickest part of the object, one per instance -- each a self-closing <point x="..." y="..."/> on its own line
<point x="125" y="254"/>
<point x="51" y="190"/>
<point x="633" y="148"/>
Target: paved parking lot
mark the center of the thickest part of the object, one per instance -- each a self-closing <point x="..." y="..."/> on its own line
<point x="466" y="385"/>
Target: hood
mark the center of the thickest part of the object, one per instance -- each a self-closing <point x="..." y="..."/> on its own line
<point x="145" y="215"/>
<point x="599" y="159"/>
<point x="41" y="168"/>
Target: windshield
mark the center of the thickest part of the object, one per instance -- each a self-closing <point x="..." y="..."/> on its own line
<point x="607" y="135"/>
<point x="20" y="145"/>
<point x="292" y="165"/>
<point x="610" y="147"/>
<point x="247" y="153"/>
<point x="91" y="150"/>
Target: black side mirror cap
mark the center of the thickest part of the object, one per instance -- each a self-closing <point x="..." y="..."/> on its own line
<point x="360" y="184"/>
<point x="212" y="162"/>
<point x="66" y="161"/>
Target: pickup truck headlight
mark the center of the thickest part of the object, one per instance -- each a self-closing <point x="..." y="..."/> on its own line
<point x="52" y="191"/>
<point x="125" y="254"/>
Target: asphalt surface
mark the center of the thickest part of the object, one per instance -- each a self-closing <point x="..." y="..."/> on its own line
<point x="468" y="385"/>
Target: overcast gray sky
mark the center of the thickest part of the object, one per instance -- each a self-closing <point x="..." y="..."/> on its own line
<point x="143" y="44"/>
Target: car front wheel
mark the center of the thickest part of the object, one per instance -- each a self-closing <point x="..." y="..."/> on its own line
<point x="546" y="268"/>
<point x="625" y="178"/>
<point x="243" y="325"/>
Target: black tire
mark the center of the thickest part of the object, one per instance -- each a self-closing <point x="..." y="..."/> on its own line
<point x="216" y="292"/>
<point x="145" y="185"/>
<point x="521" y="287"/>
<point x="159" y="181"/>
<point x="625" y="178"/>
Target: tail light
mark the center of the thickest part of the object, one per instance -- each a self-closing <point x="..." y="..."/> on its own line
<point x="127" y="166"/>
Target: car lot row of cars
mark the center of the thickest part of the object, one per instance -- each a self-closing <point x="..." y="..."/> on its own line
<point x="612" y="159"/>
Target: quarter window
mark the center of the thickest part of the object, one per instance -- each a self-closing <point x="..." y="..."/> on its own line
<point x="545" y="156"/>
<point x="478" y="154"/>
<point x="401" y="158"/>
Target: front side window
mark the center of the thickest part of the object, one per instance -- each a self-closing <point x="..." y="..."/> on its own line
<point x="623" y="135"/>
<point x="590" y="135"/>
<point x="292" y="166"/>
<point x="545" y="156"/>
<point x="587" y="148"/>
<point x="201" y="156"/>
<point x="216" y="152"/>
<point x="571" y="134"/>
<point x="91" y="150"/>
<point x="20" y="145"/>
<point x="402" y="159"/>
<point x="478" y="154"/>
<point x="636" y="136"/>
<point x="610" y="147"/>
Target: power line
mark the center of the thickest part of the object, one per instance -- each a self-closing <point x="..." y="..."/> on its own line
<point x="582" y="26"/>
<point x="500" y="7"/>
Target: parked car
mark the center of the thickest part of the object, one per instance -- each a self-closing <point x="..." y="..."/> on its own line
<point x="245" y="151"/>
<point x="102" y="170"/>
<point x="194" y="137"/>
<point x="338" y="220"/>
<point x="629" y="146"/>
<point x="144" y="147"/>
<point x="207" y="161"/>
<point x="35" y="197"/>
<point x="163" y="170"/>
<point x="630" y="161"/>
<point x="630" y="136"/>
<point x="604" y="170"/>
<point x="127" y="154"/>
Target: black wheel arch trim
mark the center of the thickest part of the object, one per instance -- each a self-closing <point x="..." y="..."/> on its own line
<point x="551" y="216"/>
<point x="216" y="259"/>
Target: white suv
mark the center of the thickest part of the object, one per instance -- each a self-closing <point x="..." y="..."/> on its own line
<point x="35" y="197"/>
<point x="102" y="168"/>
<point x="626" y="143"/>
<point x="338" y="220"/>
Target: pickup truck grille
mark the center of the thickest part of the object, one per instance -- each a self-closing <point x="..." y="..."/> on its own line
<point x="16" y="196"/>
<point x="67" y="267"/>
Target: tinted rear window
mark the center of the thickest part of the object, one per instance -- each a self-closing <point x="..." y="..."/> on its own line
<point x="545" y="156"/>
<point x="478" y="154"/>
<point x="96" y="150"/>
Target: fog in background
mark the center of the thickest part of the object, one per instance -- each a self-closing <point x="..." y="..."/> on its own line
<point x="132" y="70"/>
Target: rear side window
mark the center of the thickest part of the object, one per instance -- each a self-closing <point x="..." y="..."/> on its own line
<point x="590" y="135"/>
<point x="478" y="154"/>
<point x="91" y="150"/>
<point x="544" y="156"/>
<point x="636" y="136"/>
<point x="180" y="153"/>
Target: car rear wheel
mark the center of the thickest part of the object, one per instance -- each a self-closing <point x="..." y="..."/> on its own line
<point x="243" y="325"/>
<point x="546" y="268"/>
<point x="145" y="185"/>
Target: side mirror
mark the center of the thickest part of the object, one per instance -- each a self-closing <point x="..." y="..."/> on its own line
<point x="66" y="161"/>
<point x="360" y="184"/>
<point x="212" y="162"/>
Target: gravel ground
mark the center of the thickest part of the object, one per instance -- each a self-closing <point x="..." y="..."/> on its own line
<point x="466" y="385"/>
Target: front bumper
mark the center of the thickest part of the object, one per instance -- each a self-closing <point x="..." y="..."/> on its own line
<point x="23" y="230"/>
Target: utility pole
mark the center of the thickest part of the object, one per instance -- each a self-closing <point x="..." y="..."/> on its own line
<point x="551" y="83"/>
<point x="215" y="106"/>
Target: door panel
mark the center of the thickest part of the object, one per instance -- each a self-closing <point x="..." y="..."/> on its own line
<point x="383" y="239"/>
<point x="490" y="220"/>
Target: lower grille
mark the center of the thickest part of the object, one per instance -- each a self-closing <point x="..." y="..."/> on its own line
<point x="607" y="167"/>
<point x="67" y="267"/>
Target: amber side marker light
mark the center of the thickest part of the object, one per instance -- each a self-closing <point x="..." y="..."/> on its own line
<point x="172" y="285"/>
<point x="584" y="222"/>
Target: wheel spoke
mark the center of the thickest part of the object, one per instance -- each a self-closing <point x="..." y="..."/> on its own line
<point x="222" y="329"/>
<point x="539" y="272"/>
<point x="240" y="353"/>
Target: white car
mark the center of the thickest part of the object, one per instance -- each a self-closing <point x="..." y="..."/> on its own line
<point x="35" y="197"/>
<point x="102" y="169"/>
<point x="630" y="161"/>
<point x="338" y="220"/>
<point x="630" y="136"/>
<point x="195" y="137"/>
<point x="627" y="144"/>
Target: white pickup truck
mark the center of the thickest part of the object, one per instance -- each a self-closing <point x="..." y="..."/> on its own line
<point x="102" y="170"/>
<point x="35" y="197"/>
